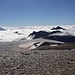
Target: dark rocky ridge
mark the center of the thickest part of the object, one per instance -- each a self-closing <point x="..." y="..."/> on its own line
<point x="42" y="34"/>
<point x="67" y="38"/>
<point x="58" y="27"/>
<point x="47" y="35"/>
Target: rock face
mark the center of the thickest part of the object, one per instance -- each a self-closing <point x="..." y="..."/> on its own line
<point x="42" y="34"/>
<point x="48" y="35"/>
<point x="66" y="38"/>
<point x="57" y="28"/>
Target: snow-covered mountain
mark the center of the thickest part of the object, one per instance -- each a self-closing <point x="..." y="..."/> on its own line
<point x="17" y="33"/>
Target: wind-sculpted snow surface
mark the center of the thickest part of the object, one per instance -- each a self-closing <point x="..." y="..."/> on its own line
<point x="23" y="32"/>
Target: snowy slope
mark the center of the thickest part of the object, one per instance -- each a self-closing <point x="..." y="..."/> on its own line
<point x="17" y="33"/>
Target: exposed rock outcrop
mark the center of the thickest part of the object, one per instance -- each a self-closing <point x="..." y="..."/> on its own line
<point x="57" y="28"/>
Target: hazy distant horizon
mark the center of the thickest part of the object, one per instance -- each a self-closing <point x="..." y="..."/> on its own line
<point x="31" y="25"/>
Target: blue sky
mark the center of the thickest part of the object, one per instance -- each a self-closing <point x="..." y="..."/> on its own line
<point x="37" y="12"/>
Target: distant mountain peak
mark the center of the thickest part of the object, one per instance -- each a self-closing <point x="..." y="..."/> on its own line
<point x="58" y="27"/>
